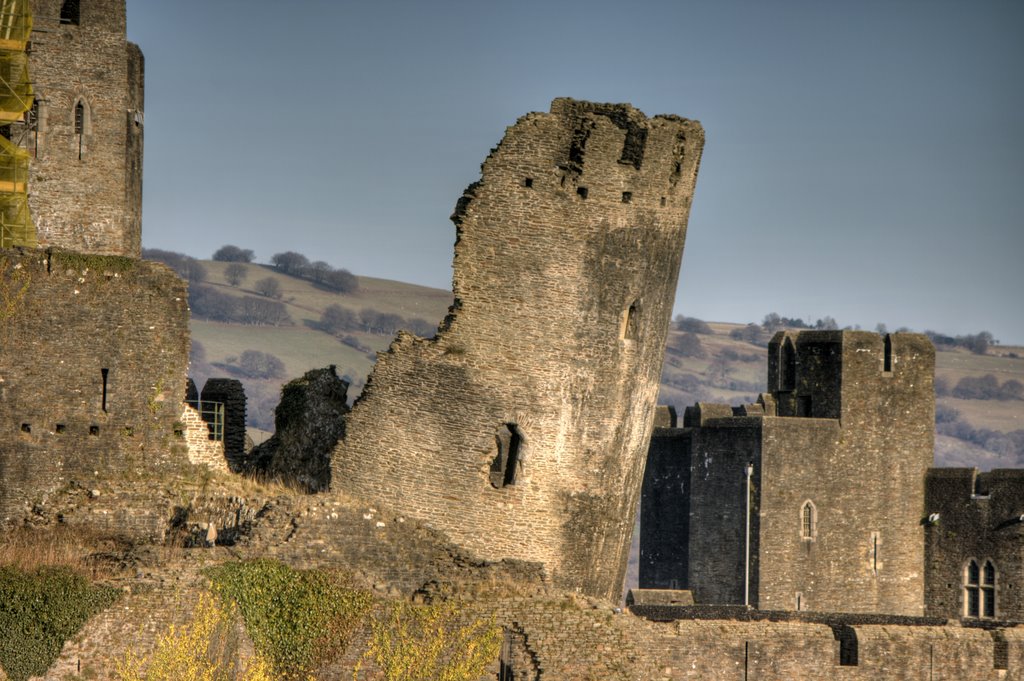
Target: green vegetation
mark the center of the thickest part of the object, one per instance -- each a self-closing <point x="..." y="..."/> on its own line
<point x="39" y="611"/>
<point x="79" y="262"/>
<point x="297" y="619"/>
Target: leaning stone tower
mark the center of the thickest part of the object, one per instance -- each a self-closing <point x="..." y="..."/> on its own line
<point x="520" y="430"/>
<point x="83" y="134"/>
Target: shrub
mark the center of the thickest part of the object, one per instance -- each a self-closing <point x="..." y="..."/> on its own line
<point x="297" y="619"/>
<point x="693" y="325"/>
<point x="687" y="345"/>
<point x="256" y="364"/>
<point x="262" y="312"/>
<point x="414" y="642"/>
<point x="341" y="281"/>
<point x="290" y="262"/>
<point x="336" y="319"/>
<point x="39" y="611"/>
<point x="235" y="273"/>
<point x="233" y="254"/>
<point x="268" y="287"/>
<point x="207" y="302"/>
<point x="202" y="650"/>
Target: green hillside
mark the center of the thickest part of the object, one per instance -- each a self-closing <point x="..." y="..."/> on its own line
<point x="712" y="365"/>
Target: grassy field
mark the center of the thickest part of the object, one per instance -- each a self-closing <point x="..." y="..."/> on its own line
<point x="728" y="370"/>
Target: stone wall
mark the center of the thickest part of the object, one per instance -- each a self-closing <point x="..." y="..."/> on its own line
<point x="92" y="372"/>
<point x="195" y="432"/>
<point x="979" y="518"/>
<point x="847" y="433"/>
<point x="520" y="430"/>
<point x="85" y="190"/>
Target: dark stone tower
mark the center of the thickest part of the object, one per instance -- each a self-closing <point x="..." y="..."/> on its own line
<point x="839" y="450"/>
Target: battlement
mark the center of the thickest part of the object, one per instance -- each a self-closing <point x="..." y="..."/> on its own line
<point x="832" y="374"/>
<point x="566" y="261"/>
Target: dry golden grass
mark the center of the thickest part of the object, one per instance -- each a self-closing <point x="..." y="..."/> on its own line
<point x="28" y="549"/>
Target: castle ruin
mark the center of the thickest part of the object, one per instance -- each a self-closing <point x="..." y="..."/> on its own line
<point x="502" y="459"/>
<point x="520" y="430"/>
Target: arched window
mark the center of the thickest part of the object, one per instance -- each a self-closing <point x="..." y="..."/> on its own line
<point x="808" y="521"/>
<point x="70" y="12"/>
<point x="980" y="589"/>
<point x="82" y="125"/>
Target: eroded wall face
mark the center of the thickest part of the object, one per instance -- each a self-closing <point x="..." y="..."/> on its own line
<point x="86" y="163"/>
<point x="93" y="357"/>
<point x="520" y="430"/>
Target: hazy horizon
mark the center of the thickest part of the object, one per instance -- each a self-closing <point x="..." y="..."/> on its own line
<point x="862" y="161"/>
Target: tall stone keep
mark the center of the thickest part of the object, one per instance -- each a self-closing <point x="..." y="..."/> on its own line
<point x="520" y="430"/>
<point x="84" y="132"/>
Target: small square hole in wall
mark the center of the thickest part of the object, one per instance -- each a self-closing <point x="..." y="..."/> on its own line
<point x="528" y="182"/>
<point x="60" y="428"/>
<point x="26" y="427"/>
<point x="627" y="197"/>
<point x="582" y="191"/>
<point x="94" y="430"/>
<point x="663" y="202"/>
<point x="179" y="432"/>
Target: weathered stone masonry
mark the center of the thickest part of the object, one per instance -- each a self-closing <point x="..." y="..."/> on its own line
<point x="520" y="430"/>
<point x="86" y="140"/>
<point x="839" y="450"/>
<point x="93" y="357"/>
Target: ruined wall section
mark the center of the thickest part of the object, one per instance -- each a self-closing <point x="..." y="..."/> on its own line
<point x="566" y="262"/>
<point x="979" y="518"/>
<point x="85" y="174"/>
<point x="93" y="360"/>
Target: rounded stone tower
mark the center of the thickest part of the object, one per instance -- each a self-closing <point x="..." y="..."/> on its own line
<point x="521" y="429"/>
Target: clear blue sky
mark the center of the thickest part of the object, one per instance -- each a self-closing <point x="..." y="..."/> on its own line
<point x="864" y="159"/>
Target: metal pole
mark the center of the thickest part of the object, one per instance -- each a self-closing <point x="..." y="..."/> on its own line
<point x="746" y="562"/>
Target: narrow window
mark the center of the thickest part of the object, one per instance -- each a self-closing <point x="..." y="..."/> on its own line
<point x="972" y="596"/>
<point x="582" y="191"/>
<point x="70" y="12"/>
<point x="874" y="553"/>
<point x="80" y="127"/>
<point x="887" y="362"/>
<point x="506" y="463"/>
<point x="630" y="322"/>
<point x="528" y="182"/>
<point x="105" y="373"/>
<point x="663" y="202"/>
<point x="94" y="430"/>
<point x="808" y="521"/>
<point x="799" y="601"/>
<point x="627" y="197"/>
<point x="787" y="366"/>
<point x="988" y="590"/>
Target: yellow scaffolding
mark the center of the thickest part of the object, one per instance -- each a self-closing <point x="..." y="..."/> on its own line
<point x="16" y="228"/>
